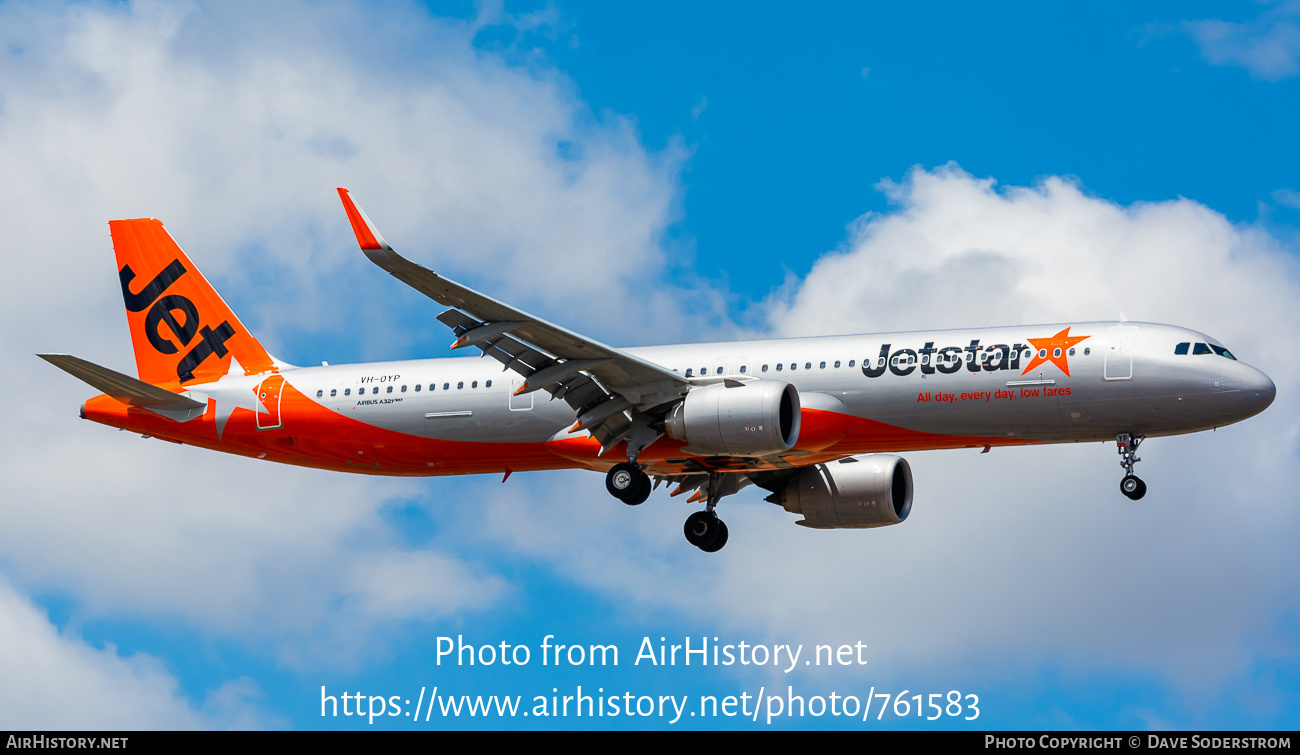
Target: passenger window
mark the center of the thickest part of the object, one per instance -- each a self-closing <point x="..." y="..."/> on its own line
<point x="347" y="391"/>
<point x="390" y="389"/>
<point x="742" y="369"/>
<point x="432" y="386"/>
<point x="446" y="386"/>
<point x="894" y="361"/>
<point x="1087" y="350"/>
<point x="719" y="370"/>
<point x="764" y="368"/>
<point x="1201" y="348"/>
<point x="1056" y="353"/>
<point x="1071" y="351"/>
<point x="1223" y="352"/>
<point x="851" y="362"/>
<point x="488" y="384"/>
<point x="704" y="371"/>
<point x="320" y="394"/>
<point x="460" y="385"/>
<point x="1182" y="348"/>
<point x="779" y="366"/>
<point x="688" y="372"/>
<point x="1042" y="353"/>
<point x="376" y="390"/>
<point x="837" y="364"/>
<point x="971" y="357"/>
<point x="808" y="365"/>
<point x="823" y="366"/>
<point x="794" y="365"/>
<point x="403" y="389"/>
<point x="334" y="392"/>
<point x="417" y="387"/>
<point x="474" y="384"/>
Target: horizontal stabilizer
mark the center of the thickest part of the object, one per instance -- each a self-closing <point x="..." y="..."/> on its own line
<point x="127" y="389"/>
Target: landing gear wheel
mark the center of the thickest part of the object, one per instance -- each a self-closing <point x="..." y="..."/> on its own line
<point x="1132" y="487"/>
<point x="620" y="479"/>
<point x="718" y="541"/>
<point x="639" y="492"/>
<point x="628" y="483"/>
<point x="1127" y="445"/>
<point x="702" y="528"/>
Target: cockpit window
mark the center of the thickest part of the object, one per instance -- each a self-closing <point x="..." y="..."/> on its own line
<point x="1181" y="348"/>
<point x="1201" y="348"/>
<point x="1223" y="352"/>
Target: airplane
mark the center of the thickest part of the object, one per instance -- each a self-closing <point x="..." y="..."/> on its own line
<point x="817" y="422"/>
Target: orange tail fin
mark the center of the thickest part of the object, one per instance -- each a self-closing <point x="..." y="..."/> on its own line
<point x="181" y="329"/>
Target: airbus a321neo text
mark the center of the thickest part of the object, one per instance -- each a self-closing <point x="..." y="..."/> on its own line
<point x="814" y="421"/>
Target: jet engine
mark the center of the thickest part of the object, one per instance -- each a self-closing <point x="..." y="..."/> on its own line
<point x="735" y="418"/>
<point x="862" y="491"/>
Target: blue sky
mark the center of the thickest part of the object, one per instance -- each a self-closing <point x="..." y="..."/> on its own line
<point x="793" y="114"/>
<point x="650" y="175"/>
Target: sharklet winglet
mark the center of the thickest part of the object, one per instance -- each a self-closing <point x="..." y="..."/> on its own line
<point x="368" y="237"/>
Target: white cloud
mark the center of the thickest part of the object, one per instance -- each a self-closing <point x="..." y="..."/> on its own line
<point x="956" y="252"/>
<point x="1021" y="557"/>
<point x="1288" y="197"/>
<point x="53" y="682"/>
<point x="233" y="122"/>
<point x="1269" y="46"/>
<point x="235" y="134"/>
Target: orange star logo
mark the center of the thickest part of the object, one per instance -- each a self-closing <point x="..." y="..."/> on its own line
<point x="1054" y="350"/>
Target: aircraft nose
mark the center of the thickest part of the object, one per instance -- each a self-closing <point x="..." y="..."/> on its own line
<point x="1257" y="392"/>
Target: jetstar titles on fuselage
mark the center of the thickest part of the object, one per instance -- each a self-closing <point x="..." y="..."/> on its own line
<point x="949" y="359"/>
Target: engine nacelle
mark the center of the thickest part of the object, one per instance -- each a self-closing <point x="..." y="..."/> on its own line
<point x="750" y="418"/>
<point x="871" y="491"/>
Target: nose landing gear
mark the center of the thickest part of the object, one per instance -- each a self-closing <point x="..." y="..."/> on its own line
<point x="1131" y="485"/>
<point x="628" y="483"/>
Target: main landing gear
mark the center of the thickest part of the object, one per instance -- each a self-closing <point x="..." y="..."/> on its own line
<point x="704" y="529"/>
<point x="628" y="483"/>
<point x="1131" y="485"/>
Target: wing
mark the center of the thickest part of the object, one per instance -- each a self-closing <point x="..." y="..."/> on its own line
<point x="614" y="395"/>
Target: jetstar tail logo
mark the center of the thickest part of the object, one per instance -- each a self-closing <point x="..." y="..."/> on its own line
<point x="975" y="357"/>
<point x="164" y="310"/>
